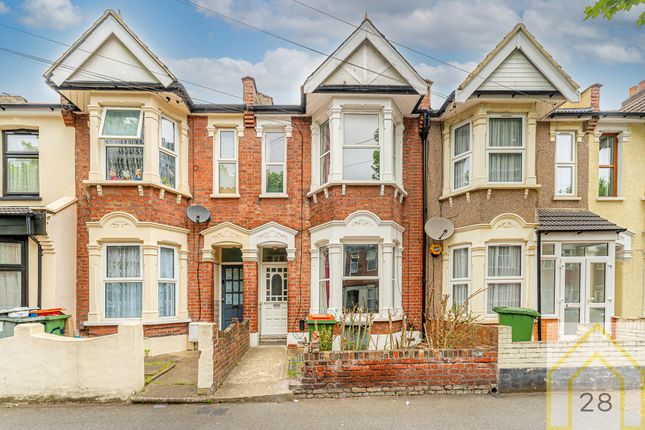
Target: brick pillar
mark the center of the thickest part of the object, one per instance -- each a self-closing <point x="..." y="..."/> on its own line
<point x="595" y="97"/>
<point x="251" y="294"/>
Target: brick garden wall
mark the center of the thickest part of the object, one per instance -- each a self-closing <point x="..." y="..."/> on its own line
<point x="406" y="372"/>
<point x="228" y="348"/>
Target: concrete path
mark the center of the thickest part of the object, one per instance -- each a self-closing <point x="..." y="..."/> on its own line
<point x="180" y="382"/>
<point x="261" y="375"/>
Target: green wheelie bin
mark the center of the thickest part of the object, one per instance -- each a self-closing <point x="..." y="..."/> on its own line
<point x="520" y="319"/>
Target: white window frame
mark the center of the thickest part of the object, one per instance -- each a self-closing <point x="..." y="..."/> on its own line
<point x="504" y="279"/>
<point x="139" y="127"/>
<point x="556" y="286"/>
<point x="379" y="114"/>
<point x="174" y="280"/>
<point x="139" y="136"/>
<point x="265" y="164"/>
<point x="460" y="281"/>
<point x="379" y="276"/>
<point x="219" y="161"/>
<point x="572" y="164"/>
<point x="506" y="149"/>
<point x="107" y="280"/>
<point x="174" y="154"/>
<point x="466" y="155"/>
<point x="321" y="155"/>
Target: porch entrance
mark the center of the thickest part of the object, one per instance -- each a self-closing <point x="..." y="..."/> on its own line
<point x="273" y="293"/>
<point x="587" y="293"/>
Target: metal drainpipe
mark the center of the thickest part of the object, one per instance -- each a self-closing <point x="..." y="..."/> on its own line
<point x="423" y="133"/>
<point x="539" y="284"/>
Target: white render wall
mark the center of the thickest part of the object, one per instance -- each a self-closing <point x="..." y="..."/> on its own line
<point x="36" y="364"/>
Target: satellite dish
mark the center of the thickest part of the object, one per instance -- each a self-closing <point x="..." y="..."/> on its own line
<point x="439" y="228"/>
<point x="198" y="214"/>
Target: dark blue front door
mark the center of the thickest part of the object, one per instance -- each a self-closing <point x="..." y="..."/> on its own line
<point x="232" y="294"/>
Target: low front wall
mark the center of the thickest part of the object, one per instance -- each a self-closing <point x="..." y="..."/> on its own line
<point x="403" y="372"/>
<point x="36" y="364"/>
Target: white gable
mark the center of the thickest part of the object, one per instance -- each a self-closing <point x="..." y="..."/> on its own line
<point x="109" y="48"/>
<point x="518" y="73"/>
<point x="115" y="60"/>
<point x="519" y="62"/>
<point x="365" y="49"/>
<point x="365" y="66"/>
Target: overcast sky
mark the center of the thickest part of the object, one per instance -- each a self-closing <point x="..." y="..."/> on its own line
<point x="215" y="52"/>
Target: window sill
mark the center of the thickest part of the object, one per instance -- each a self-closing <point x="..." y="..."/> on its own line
<point x="565" y="198"/>
<point x="496" y="186"/>
<point x="108" y="183"/>
<point x="21" y="197"/>
<point x="108" y="323"/>
<point x="322" y="188"/>
<point x="274" y="196"/>
<point x="225" y="196"/>
<point x="610" y="199"/>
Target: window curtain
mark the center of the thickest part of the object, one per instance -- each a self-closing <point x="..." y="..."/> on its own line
<point x="503" y="295"/>
<point x="123" y="299"/>
<point x="504" y="261"/>
<point x="10" y="253"/>
<point x="124" y="162"/>
<point x="167" y="263"/>
<point x="167" y="169"/>
<point x="503" y="167"/>
<point x="22" y="175"/>
<point x="166" y="298"/>
<point x="323" y="277"/>
<point x="459" y="294"/>
<point x="505" y="131"/>
<point x="121" y="123"/>
<point x="460" y="263"/>
<point x="10" y="289"/>
<point x="462" y="139"/>
<point x="462" y="173"/>
<point x="123" y="262"/>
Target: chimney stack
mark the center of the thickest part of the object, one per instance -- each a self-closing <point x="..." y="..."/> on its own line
<point x="248" y="90"/>
<point x="641" y="85"/>
<point x="595" y="97"/>
<point x="633" y="90"/>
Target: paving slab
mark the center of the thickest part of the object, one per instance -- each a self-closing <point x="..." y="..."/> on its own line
<point x="180" y="382"/>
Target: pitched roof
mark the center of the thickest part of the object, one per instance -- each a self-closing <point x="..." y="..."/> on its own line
<point x="517" y="31"/>
<point x="635" y="103"/>
<point x="573" y="220"/>
<point x="12" y="99"/>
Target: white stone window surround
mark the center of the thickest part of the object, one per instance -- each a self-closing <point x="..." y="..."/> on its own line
<point x="623" y="138"/>
<point x="151" y="134"/>
<point x="274" y="124"/>
<point x="120" y="228"/>
<point x="361" y="227"/>
<point x="390" y="127"/>
<point x="506" y="149"/>
<point x="460" y="281"/>
<point x="479" y="116"/>
<point x="134" y="279"/>
<point x="215" y="125"/>
<point x="465" y="155"/>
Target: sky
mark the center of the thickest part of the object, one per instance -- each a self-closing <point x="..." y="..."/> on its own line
<point x="201" y="46"/>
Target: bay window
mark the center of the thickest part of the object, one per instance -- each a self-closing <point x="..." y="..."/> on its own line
<point x="226" y="162"/>
<point x="123" y="281"/>
<point x="274" y="160"/>
<point x="460" y="275"/>
<point x="565" y="167"/>
<point x="167" y="283"/>
<point x="608" y="166"/>
<point x="13" y="273"/>
<point x="168" y="152"/>
<point x="361" y="277"/>
<point x="121" y="135"/>
<point x="325" y="152"/>
<point x="461" y="156"/>
<point x="505" y="151"/>
<point x="361" y="147"/>
<point x="504" y="276"/>
<point x="21" y="163"/>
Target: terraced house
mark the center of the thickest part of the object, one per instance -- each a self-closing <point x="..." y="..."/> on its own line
<point x="320" y="206"/>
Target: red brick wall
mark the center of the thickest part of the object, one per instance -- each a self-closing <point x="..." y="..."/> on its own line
<point x="228" y="348"/>
<point x="549" y="328"/>
<point x="419" y="371"/>
<point x="156" y="330"/>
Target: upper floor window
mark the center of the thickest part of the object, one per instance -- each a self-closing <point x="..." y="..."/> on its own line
<point x="168" y="152"/>
<point x="565" y="164"/>
<point x="505" y="150"/>
<point x="608" y="166"/>
<point x="21" y="163"/>
<point x="274" y="160"/>
<point x="121" y="134"/>
<point x="123" y="281"/>
<point x="226" y="162"/>
<point x="325" y="152"/>
<point x="461" y="156"/>
<point x="361" y="147"/>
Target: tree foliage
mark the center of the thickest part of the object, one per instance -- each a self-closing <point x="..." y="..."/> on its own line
<point x="608" y="8"/>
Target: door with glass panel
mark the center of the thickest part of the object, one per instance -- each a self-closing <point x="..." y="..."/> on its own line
<point x="273" y="292"/>
<point x="599" y="300"/>
<point x="232" y="293"/>
<point x="572" y="291"/>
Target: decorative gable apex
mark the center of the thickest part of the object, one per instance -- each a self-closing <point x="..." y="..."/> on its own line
<point x="109" y="51"/>
<point x="365" y="58"/>
<point x="518" y="63"/>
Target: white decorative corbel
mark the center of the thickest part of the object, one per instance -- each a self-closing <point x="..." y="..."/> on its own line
<point x="396" y="192"/>
<point x="450" y="200"/>
<point x="140" y="188"/>
<point x="178" y="198"/>
<point x="382" y="192"/>
<point x="488" y="193"/>
<point x="240" y="130"/>
<point x="288" y="130"/>
<point x="259" y="130"/>
<point x="211" y="131"/>
<point x="526" y="193"/>
<point x="162" y="194"/>
<point x="315" y="197"/>
<point x="326" y="192"/>
<point x="343" y="190"/>
<point x="468" y="196"/>
<point x="99" y="190"/>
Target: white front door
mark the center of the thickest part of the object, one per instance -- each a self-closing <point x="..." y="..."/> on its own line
<point x="273" y="303"/>
<point x="586" y="294"/>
